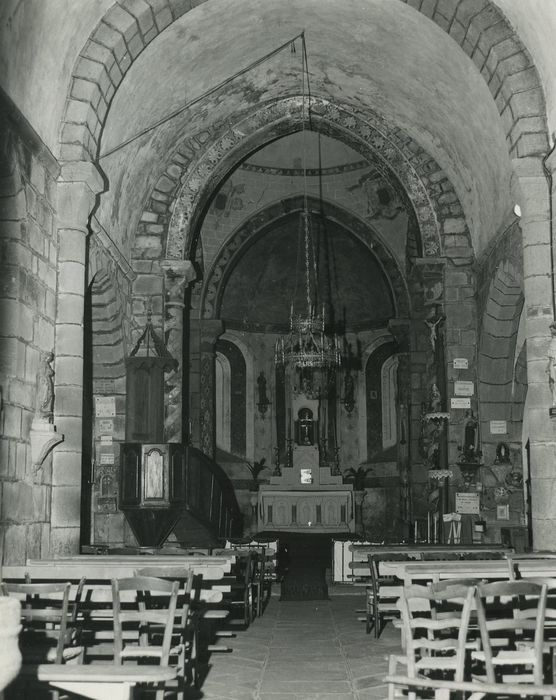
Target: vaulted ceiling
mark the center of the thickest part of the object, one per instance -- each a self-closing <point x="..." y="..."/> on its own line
<point x="377" y="56"/>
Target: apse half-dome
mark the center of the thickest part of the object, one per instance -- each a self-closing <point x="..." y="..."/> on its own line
<point x="268" y="273"/>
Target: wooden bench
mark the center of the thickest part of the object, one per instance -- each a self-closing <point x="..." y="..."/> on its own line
<point x="422" y="571"/>
<point x="100" y="681"/>
<point x="359" y="567"/>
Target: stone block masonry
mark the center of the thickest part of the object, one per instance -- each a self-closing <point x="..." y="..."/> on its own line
<point x="28" y="255"/>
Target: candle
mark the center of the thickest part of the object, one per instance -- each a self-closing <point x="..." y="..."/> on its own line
<point x="415" y="532"/>
<point x="428" y="527"/>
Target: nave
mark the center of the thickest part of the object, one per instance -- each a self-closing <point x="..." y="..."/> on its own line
<point x="304" y="650"/>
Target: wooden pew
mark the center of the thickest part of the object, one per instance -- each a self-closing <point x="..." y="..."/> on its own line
<point x="422" y="571"/>
<point x="359" y="568"/>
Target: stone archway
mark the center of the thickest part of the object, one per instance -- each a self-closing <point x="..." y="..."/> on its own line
<point x="477" y="26"/>
<point x="363" y="132"/>
<point x="215" y="278"/>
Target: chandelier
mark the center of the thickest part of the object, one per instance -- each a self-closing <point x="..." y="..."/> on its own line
<point x="309" y="343"/>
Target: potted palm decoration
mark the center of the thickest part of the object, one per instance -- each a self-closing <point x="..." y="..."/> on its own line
<point x="256" y="468"/>
<point x="358" y="476"/>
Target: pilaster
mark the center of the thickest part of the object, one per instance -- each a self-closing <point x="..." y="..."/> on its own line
<point x="78" y="186"/>
<point x="533" y="194"/>
<point x="177" y="275"/>
<point x="210" y="330"/>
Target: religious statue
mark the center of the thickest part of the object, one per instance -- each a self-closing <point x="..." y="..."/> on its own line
<point x="432" y="324"/>
<point x="306" y="436"/>
<point x="45" y="388"/>
<point x="349" y="392"/>
<point x="470" y="446"/>
<point x="435" y="399"/>
<point x="263" y="401"/>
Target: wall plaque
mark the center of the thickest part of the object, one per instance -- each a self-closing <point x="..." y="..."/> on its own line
<point x="105" y="406"/>
<point x="457" y="402"/>
<point x="464" y="388"/>
<point x="498" y="427"/>
<point x="107" y="458"/>
<point x="461" y="363"/>
<point x="468" y="503"/>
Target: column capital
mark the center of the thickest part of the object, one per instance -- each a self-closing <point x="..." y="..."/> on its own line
<point x="177" y="275"/>
<point x="84" y="172"/>
<point x="211" y="328"/>
<point x="179" y="268"/>
<point x="78" y="185"/>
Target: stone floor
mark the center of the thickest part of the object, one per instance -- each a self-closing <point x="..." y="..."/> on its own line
<point x="304" y="650"/>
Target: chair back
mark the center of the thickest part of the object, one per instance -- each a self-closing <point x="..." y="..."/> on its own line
<point x="443" y="584"/>
<point x="550" y="612"/>
<point x="436" y="642"/>
<point x="45" y="614"/>
<point x="511" y="617"/>
<point x="145" y="611"/>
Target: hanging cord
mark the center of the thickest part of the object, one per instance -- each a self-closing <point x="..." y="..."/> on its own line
<point x="310" y="251"/>
<point x="209" y="92"/>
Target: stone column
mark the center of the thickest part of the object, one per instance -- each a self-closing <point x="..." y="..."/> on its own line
<point x="400" y="329"/>
<point x="533" y="196"/>
<point x="210" y="330"/>
<point x="78" y="186"/>
<point x="177" y="275"/>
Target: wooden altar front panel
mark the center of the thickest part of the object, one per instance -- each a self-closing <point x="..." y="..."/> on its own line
<point x="303" y="511"/>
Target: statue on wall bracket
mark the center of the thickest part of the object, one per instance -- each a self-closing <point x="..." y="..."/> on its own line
<point x="43" y="435"/>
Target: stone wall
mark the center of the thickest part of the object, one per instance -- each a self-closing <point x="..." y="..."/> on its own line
<point x="28" y="280"/>
<point x="502" y="381"/>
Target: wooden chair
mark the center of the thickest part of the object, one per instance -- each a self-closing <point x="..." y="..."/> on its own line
<point x="48" y="627"/>
<point x="383" y="593"/>
<point x="144" y="617"/>
<point x="511" y="622"/>
<point x="442" y="585"/>
<point x="549" y="643"/>
<point x="243" y="584"/>
<point x="184" y="647"/>
<point x="435" y="645"/>
<point x="48" y="620"/>
<point x="262" y="574"/>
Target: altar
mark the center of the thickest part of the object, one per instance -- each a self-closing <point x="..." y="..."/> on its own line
<point x="306" y="495"/>
<point x="328" y="509"/>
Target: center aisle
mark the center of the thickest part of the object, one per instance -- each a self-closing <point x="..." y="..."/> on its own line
<point x="304" y="650"/>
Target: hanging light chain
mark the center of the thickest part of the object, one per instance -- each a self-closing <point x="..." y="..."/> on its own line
<point x="307" y="262"/>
